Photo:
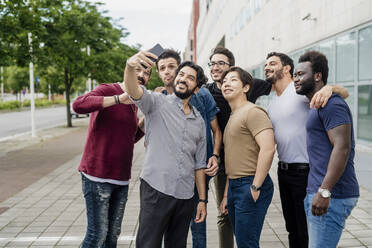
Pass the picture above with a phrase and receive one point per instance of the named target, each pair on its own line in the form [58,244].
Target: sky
[152,21]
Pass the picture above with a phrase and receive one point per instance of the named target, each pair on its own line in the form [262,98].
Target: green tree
[70,29]
[18,78]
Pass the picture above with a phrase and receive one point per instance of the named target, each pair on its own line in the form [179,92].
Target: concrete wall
[252,28]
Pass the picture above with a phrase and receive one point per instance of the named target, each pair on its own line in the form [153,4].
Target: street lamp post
[49,94]
[32,89]
[89,79]
[2,84]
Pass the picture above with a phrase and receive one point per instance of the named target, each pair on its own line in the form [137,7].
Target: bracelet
[217,156]
[205,201]
[116,99]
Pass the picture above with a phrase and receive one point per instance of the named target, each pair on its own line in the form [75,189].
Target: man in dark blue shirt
[333,189]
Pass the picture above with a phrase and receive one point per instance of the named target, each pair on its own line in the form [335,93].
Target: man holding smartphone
[175,156]
[203,101]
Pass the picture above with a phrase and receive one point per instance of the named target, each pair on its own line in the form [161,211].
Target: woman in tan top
[249,150]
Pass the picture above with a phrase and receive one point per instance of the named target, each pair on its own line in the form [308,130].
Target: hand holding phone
[156,50]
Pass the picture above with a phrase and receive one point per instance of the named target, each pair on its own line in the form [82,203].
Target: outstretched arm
[138,60]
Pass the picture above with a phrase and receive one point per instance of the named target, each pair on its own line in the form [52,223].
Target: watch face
[325,193]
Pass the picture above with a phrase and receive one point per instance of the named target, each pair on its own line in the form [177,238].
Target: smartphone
[157,50]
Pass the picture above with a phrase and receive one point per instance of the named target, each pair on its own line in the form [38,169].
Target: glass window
[365,53]
[257,72]
[257,6]
[313,48]
[345,58]
[350,99]
[248,11]
[295,57]
[328,49]
[365,112]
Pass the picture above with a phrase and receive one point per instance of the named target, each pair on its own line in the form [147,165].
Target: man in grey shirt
[175,155]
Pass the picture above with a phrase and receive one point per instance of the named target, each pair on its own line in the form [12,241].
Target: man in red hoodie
[107,160]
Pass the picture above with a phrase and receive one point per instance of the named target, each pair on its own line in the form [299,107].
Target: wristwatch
[324,193]
[217,156]
[255,188]
[205,201]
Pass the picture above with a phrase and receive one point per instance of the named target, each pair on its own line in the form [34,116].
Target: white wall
[250,39]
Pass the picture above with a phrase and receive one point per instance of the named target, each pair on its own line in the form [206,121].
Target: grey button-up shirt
[175,144]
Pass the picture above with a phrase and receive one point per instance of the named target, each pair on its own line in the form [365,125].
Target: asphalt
[41,203]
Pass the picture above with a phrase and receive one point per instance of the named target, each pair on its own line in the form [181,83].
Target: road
[14,123]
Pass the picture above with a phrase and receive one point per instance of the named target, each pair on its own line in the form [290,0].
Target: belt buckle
[284,166]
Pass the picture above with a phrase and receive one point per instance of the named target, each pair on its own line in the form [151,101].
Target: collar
[193,114]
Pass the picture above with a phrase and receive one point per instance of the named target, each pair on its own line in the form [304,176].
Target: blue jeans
[246,216]
[326,230]
[199,230]
[105,204]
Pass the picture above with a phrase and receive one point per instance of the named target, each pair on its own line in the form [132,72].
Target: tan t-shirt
[241,148]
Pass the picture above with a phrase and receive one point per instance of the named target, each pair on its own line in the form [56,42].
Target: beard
[183,95]
[306,87]
[275,77]
[141,79]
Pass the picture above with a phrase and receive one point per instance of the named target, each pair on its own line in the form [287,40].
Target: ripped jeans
[105,204]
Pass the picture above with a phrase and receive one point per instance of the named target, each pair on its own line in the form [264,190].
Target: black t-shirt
[260,88]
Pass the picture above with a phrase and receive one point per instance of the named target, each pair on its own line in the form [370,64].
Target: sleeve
[210,104]
[148,102]
[335,113]
[90,102]
[259,88]
[201,149]
[257,120]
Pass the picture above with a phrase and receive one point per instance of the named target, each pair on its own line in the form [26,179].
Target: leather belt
[293,166]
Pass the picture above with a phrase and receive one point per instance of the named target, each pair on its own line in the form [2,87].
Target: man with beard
[175,155]
[107,160]
[332,190]
[288,113]
[221,60]
[203,101]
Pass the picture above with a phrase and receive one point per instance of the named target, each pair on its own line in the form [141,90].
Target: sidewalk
[51,213]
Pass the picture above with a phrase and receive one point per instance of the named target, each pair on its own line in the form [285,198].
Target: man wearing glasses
[221,60]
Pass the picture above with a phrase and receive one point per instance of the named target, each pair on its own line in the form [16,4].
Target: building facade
[341,29]
[190,50]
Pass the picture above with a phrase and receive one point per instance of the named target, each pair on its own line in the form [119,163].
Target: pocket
[149,195]
[349,205]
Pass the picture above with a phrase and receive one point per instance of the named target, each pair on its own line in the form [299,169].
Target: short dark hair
[201,79]
[169,53]
[284,59]
[319,63]
[244,76]
[224,51]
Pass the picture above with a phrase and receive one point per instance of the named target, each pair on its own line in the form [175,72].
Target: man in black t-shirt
[221,60]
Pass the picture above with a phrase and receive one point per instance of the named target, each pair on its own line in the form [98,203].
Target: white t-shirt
[106,180]
[288,113]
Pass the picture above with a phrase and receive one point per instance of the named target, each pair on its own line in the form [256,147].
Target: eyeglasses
[218,63]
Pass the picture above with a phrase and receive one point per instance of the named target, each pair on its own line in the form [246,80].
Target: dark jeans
[225,231]
[199,230]
[105,204]
[162,215]
[247,217]
[292,187]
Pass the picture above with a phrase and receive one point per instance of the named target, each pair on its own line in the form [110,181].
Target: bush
[9,105]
